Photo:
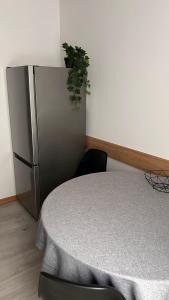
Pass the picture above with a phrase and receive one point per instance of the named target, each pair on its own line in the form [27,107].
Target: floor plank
[20,261]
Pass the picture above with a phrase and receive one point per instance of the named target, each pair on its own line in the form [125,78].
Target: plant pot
[68,63]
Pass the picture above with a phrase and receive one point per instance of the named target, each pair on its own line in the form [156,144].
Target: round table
[108,228]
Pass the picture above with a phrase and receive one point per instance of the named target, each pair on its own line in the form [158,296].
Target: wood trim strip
[134,158]
[8,200]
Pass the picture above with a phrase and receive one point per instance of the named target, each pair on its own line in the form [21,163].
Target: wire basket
[158,179]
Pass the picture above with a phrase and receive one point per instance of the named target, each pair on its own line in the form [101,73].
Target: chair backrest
[93,161]
[52,288]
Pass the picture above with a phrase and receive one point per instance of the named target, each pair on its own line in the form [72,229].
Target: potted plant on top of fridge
[77,60]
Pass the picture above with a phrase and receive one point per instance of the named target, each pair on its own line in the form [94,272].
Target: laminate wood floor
[20,261]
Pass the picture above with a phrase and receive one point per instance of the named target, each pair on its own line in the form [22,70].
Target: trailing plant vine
[78,62]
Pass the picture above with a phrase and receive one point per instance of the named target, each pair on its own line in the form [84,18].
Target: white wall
[29,34]
[115,165]
[128,42]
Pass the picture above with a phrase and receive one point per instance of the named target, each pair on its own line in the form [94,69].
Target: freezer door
[27,186]
[61,128]
[22,112]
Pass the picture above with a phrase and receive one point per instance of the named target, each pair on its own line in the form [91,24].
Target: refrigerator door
[61,128]
[27,185]
[22,112]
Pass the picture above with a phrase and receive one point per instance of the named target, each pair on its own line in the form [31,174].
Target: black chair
[93,161]
[52,288]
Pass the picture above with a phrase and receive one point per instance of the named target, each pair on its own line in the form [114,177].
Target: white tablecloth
[108,228]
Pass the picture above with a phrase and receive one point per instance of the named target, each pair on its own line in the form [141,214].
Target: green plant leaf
[77,76]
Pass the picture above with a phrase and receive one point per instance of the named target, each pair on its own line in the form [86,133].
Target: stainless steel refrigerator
[48,131]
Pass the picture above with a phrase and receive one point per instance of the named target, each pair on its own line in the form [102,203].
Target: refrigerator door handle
[33,115]
[36,199]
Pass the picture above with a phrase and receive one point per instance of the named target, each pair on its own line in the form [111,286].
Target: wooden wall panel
[134,158]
